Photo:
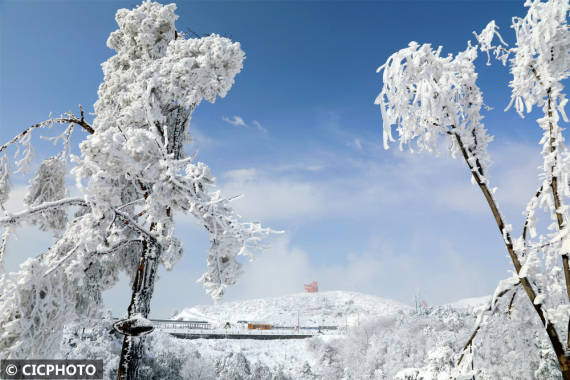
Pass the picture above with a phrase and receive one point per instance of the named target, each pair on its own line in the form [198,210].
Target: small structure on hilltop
[313,287]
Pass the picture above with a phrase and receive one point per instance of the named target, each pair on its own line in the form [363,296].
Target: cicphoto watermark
[51,369]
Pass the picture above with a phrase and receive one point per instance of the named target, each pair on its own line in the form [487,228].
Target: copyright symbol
[11,369]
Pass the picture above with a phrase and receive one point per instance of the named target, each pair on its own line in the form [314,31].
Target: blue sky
[309,159]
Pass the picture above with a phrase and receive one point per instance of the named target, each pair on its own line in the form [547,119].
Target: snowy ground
[383,339]
[295,359]
[470,303]
[336,308]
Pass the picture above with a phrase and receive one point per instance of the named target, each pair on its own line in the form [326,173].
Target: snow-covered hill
[386,323]
[283,359]
[383,338]
[312,309]
[472,303]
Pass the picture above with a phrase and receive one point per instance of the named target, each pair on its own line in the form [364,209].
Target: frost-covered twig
[130,203]
[480,319]
[23,215]
[64,259]
[48,123]
[118,246]
[3,245]
[562,224]
[530,212]
[132,224]
[19,217]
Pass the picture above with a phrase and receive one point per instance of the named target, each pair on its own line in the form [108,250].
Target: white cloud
[270,199]
[259,126]
[368,190]
[292,192]
[365,189]
[241,175]
[299,167]
[280,270]
[236,120]
[371,192]
[441,278]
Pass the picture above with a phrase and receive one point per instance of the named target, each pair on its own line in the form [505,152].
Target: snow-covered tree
[134,175]
[426,96]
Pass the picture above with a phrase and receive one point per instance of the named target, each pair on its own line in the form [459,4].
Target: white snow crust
[325,308]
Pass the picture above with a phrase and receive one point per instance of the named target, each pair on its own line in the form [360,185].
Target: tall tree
[427,96]
[134,175]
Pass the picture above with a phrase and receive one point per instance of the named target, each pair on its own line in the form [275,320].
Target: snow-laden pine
[134,176]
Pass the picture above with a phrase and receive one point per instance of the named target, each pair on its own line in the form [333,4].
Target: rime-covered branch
[70,118]
[558,206]
[132,224]
[117,247]
[530,213]
[21,216]
[503,289]
[24,215]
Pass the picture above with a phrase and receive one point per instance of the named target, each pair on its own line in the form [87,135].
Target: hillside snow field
[322,357]
[377,339]
[472,303]
[336,308]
